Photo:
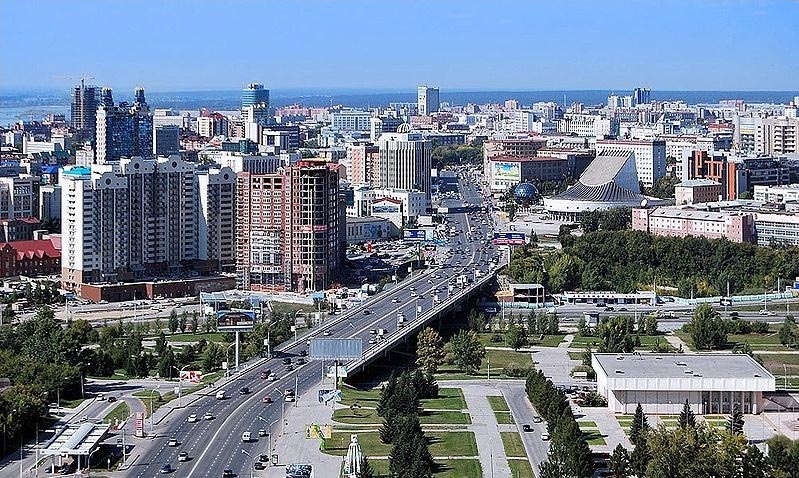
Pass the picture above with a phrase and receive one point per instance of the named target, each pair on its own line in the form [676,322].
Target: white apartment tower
[405,161]
[650,156]
[427,100]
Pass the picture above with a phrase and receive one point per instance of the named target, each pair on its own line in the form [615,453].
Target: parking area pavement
[556,364]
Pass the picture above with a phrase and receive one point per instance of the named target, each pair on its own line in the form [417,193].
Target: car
[367,312]
[264,375]
[192,418]
[246,436]
[544,436]
[112,399]
[326,333]
[167,468]
[537,419]
[244,390]
[262,432]
[272,377]
[300,361]
[266,399]
[527,428]
[263,457]
[172,442]
[258,466]
[227,473]
[289,398]
[208,416]
[288,391]
[67,470]
[101,396]
[289,367]
[395,300]
[372,340]
[303,353]
[183,456]
[608,309]
[733,314]
[373,331]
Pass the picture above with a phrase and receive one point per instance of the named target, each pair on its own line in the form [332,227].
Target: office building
[587,125]
[50,202]
[169,117]
[255,94]
[641,96]
[405,161]
[508,171]
[362,163]
[213,124]
[697,191]
[290,228]
[661,383]
[684,221]
[368,229]
[140,218]
[84,111]
[123,130]
[427,100]
[166,140]
[777,194]
[383,124]
[650,156]
[351,120]
[17,196]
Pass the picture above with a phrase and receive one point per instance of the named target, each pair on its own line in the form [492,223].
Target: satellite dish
[644,202]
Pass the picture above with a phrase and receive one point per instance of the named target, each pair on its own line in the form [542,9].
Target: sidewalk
[293,447]
[486,430]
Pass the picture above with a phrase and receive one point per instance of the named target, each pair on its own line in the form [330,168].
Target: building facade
[84,111]
[696,191]
[405,161]
[123,130]
[650,157]
[682,222]
[166,140]
[427,100]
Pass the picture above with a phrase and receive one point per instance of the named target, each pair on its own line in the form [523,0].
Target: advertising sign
[193,376]
[413,234]
[139,431]
[509,239]
[336,349]
[507,171]
[231,321]
[385,208]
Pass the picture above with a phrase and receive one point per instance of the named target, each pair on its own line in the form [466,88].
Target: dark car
[264,457]
[258,465]
[303,353]
[228,473]
[286,360]
[527,428]
[300,361]
[112,399]
[167,468]
[244,391]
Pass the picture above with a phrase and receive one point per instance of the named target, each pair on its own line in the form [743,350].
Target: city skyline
[534,46]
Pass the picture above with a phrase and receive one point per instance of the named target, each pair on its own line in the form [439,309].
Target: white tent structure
[352,462]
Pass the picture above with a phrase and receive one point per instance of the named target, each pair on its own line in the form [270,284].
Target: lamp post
[151,407]
[295,323]
[269,339]
[246,453]
[785,374]
[227,355]
[180,384]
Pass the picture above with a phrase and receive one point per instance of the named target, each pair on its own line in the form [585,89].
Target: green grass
[647,342]
[158,399]
[448,399]
[498,403]
[441,444]
[593,437]
[458,469]
[120,413]
[445,417]
[358,416]
[547,341]
[586,424]
[192,337]
[769,342]
[365,398]
[71,403]
[520,469]
[499,359]
[512,442]
[504,418]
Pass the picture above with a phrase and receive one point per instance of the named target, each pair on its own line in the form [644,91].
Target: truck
[220,395]
[400,320]
[462,280]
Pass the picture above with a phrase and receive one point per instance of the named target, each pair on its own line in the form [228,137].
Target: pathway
[490,449]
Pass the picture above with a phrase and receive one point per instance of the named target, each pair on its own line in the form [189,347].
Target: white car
[545,436]
[208,416]
[192,418]
[289,398]
[183,456]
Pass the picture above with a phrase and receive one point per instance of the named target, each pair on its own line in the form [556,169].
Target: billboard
[139,428]
[336,349]
[193,376]
[385,208]
[509,239]
[232,321]
[417,235]
[507,171]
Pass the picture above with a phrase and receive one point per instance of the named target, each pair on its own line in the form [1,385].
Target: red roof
[32,249]
[395,201]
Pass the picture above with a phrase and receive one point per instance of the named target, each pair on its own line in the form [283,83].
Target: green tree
[619,463]
[788,332]
[735,422]
[687,418]
[615,335]
[173,322]
[707,328]
[212,357]
[159,324]
[564,274]
[467,351]
[582,328]
[476,320]
[531,328]
[754,464]
[639,425]
[184,322]
[516,337]
[195,322]
[640,456]
[429,350]
[365,469]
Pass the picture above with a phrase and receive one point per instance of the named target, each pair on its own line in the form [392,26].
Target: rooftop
[76,439]
[724,366]
[692,183]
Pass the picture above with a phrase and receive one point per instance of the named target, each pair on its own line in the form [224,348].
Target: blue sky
[458,45]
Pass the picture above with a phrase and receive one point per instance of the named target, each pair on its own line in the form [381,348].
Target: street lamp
[180,383]
[251,461]
[295,323]
[227,356]
[151,407]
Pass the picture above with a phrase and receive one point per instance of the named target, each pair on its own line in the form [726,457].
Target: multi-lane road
[215,445]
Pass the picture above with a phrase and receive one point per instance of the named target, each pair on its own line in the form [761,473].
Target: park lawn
[504,418]
[448,399]
[502,358]
[769,342]
[520,469]
[158,399]
[512,442]
[339,442]
[452,443]
[593,437]
[458,468]
[578,356]
[444,417]
[547,340]
[647,342]
[498,403]
[365,398]
[195,337]
[357,416]
[120,413]
[586,424]
[774,364]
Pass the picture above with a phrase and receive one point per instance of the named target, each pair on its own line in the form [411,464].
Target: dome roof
[404,128]
[525,191]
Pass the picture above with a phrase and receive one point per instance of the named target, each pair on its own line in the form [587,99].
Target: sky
[458,45]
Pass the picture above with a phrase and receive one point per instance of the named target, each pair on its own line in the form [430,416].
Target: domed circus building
[525,193]
[611,180]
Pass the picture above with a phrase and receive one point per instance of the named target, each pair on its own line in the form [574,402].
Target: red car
[267,399]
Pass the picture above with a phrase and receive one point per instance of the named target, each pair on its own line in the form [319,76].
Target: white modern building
[650,157]
[16,196]
[396,205]
[777,194]
[585,125]
[50,201]
[405,161]
[351,120]
[712,383]
[427,100]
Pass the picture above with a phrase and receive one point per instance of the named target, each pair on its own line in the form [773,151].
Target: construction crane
[82,79]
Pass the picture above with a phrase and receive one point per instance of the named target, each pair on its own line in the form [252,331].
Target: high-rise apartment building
[144,217]
[212,124]
[361,163]
[351,120]
[650,156]
[405,161]
[427,100]
[166,140]
[641,96]
[123,130]
[254,95]
[17,196]
[290,228]
[84,111]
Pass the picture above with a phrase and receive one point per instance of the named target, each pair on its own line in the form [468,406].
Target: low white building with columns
[712,383]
